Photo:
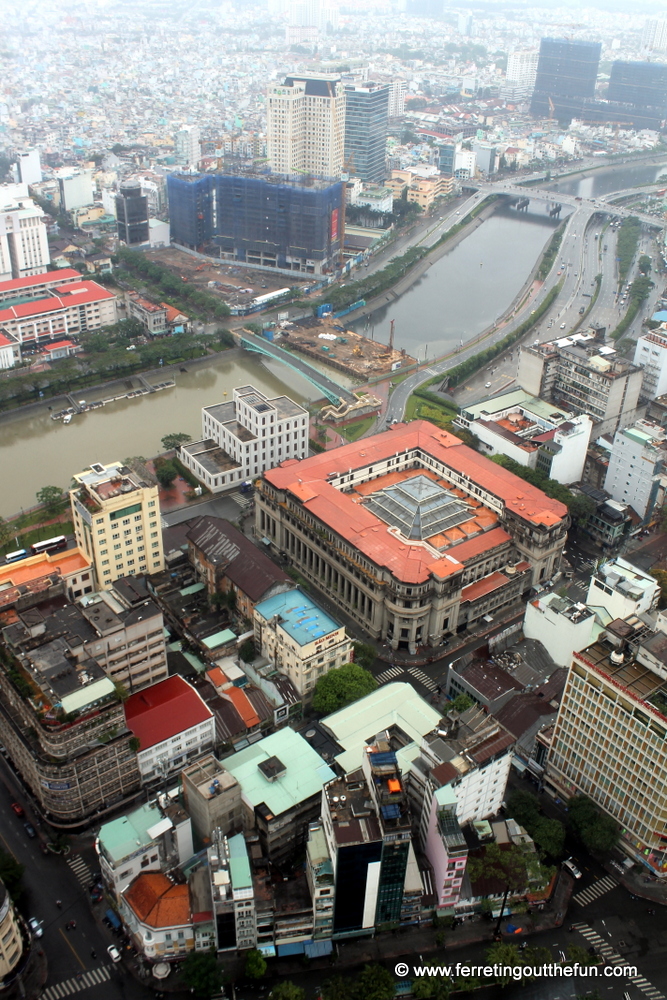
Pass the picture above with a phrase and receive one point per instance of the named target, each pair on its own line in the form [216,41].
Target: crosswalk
[388,674]
[595,890]
[81,870]
[244,500]
[84,981]
[423,678]
[605,951]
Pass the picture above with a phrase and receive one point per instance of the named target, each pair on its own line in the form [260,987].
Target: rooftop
[157,902]
[246,566]
[164,710]
[127,834]
[303,776]
[299,616]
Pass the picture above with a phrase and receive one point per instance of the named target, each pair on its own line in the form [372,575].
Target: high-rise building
[305,125]
[397,91]
[24,246]
[464,24]
[30,171]
[117,522]
[635,467]
[293,224]
[75,188]
[566,75]
[610,737]
[11,939]
[447,157]
[366,113]
[132,215]
[655,36]
[520,76]
[188,146]
[651,355]
[640,84]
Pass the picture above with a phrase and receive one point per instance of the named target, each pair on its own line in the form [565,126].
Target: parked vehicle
[113,953]
[35,926]
[570,866]
[19,810]
[30,830]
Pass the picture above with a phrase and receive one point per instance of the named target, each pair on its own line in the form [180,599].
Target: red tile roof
[483,587]
[157,902]
[240,701]
[58,345]
[5,341]
[75,294]
[164,710]
[47,277]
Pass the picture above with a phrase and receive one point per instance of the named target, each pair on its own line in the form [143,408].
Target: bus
[54,544]
[15,556]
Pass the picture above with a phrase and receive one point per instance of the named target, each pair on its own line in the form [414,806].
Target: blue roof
[660,317]
[301,618]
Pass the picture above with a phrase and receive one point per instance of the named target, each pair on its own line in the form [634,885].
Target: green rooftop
[302,775]
[239,866]
[219,639]
[396,704]
[515,397]
[128,834]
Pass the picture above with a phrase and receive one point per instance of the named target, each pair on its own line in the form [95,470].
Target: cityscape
[333,519]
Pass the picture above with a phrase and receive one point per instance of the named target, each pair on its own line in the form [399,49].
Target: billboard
[334,224]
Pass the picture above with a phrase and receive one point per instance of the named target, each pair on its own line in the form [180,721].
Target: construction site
[327,341]
[236,285]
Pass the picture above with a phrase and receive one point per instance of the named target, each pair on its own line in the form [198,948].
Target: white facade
[562,626]
[188,146]
[397,92]
[24,247]
[30,171]
[158,233]
[465,164]
[655,36]
[169,755]
[10,351]
[635,465]
[520,76]
[481,791]
[305,125]
[622,589]
[651,355]
[244,437]
[76,188]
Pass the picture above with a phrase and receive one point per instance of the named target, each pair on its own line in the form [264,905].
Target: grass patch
[354,431]
[551,252]
[27,538]
[626,245]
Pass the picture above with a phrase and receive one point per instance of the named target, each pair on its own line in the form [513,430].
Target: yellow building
[117,522]
[423,187]
[11,940]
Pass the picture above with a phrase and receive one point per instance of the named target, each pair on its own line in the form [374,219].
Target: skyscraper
[188,146]
[366,113]
[640,84]
[566,75]
[520,76]
[655,36]
[132,215]
[305,126]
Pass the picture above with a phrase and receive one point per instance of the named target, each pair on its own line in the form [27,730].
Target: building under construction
[295,224]
[326,341]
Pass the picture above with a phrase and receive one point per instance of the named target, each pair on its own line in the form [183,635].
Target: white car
[562,326]
[113,953]
[35,926]
[487,385]
[570,866]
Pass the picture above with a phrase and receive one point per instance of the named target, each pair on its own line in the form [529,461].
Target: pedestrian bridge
[335,393]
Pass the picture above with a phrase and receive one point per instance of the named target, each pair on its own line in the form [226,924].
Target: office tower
[117,522]
[655,36]
[24,246]
[30,171]
[305,126]
[635,467]
[520,76]
[366,112]
[397,91]
[313,14]
[271,220]
[132,215]
[610,737]
[464,25]
[566,76]
[188,146]
[641,84]
[447,157]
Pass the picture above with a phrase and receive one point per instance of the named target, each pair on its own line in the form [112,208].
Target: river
[460,295]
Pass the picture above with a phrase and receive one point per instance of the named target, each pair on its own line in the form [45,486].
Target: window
[126,521]
[137,517]
[153,535]
[151,503]
[103,552]
[100,531]
[118,546]
[116,535]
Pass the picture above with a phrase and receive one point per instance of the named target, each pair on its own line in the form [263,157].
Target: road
[48,878]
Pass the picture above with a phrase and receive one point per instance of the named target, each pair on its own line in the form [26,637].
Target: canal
[457,298]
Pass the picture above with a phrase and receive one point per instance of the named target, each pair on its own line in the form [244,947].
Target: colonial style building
[412,533]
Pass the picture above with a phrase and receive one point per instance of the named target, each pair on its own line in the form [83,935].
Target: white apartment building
[188,146]
[76,188]
[520,76]
[305,128]
[300,639]
[651,355]
[24,247]
[622,589]
[397,92]
[10,350]
[29,167]
[117,522]
[635,467]
[61,311]
[244,437]
[562,626]
[655,35]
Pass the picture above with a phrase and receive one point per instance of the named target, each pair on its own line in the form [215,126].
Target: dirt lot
[329,341]
[235,284]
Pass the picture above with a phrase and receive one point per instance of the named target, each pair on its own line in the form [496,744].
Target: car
[19,810]
[570,866]
[113,953]
[487,385]
[35,926]
[562,326]
[30,830]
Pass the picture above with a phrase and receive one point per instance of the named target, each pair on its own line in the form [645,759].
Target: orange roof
[483,587]
[216,677]
[157,902]
[243,706]
[66,563]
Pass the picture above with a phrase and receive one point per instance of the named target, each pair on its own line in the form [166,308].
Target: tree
[170,442]
[201,974]
[166,473]
[597,831]
[374,983]
[337,988]
[580,956]
[11,873]
[6,533]
[341,686]
[581,509]
[134,743]
[516,868]
[425,987]
[51,498]
[247,651]
[549,835]
[644,264]
[286,990]
[461,703]
[364,655]
[524,807]
[255,964]
[507,956]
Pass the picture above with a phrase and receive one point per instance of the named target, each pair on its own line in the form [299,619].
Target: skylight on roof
[419,508]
